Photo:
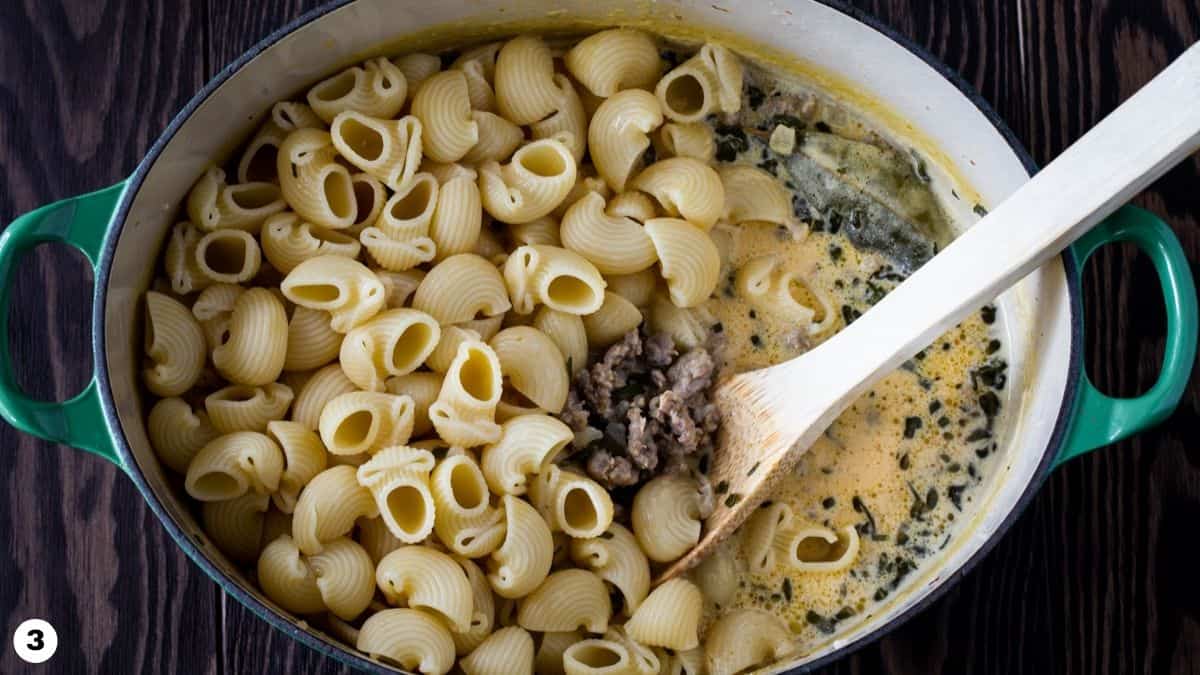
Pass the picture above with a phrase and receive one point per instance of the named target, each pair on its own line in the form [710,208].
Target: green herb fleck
[722,487]
[911,425]
[732,499]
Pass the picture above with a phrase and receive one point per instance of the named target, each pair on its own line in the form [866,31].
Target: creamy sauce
[902,464]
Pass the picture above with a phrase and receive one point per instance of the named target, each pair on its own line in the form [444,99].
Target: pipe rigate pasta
[616,317]
[465,409]
[596,657]
[396,254]
[692,139]
[568,334]
[422,578]
[214,204]
[228,257]
[240,407]
[586,180]
[288,241]
[523,561]
[668,617]
[498,139]
[236,525]
[567,600]
[257,345]
[215,301]
[443,104]
[328,507]
[417,68]
[304,456]
[555,277]
[614,244]
[465,521]
[483,614]
[387,149]
[543,232]
[325,385]
[409,638]
[257,163]
[644,660]
[377,88]
[526,446]
[287,579]
[229,466]
[688,327]
[745,639]
[398,287]
[376,538]
[532,184]
[619,134]
[637,288]
[398,478]
[666,517]
[524,80]
[394,342]
[177,432]
[717,575]
[710,81]
[508,650]
[772,287]
[365,421]
[344,576]
[689,259]
[314,184]
[617,559]
[479,88]
[311,340]
[548,660]
[571,503]
[179,260]
[685,188]
[460,288]
[345,288]
[569,122]
[458,218]
[533,366]
[369,198]
[175,345]
[423,389]
[755,196]
[615,59]
[452,336]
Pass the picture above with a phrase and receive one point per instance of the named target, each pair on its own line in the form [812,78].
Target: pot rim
[345,655]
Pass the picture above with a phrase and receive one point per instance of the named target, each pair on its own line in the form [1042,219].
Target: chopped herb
[731,140]
[954,493]
[753,314]
[954,467]
[990,403]
[978,435]
[835,253]
[822,623]
[800,209]
[866,527]
[754,96]
[776,597]
[787,588]
[732,499]
[904,462]
[788,121]
[771,166]
[931,499]
[988,314]
[718,327]
[993,347]
[918,508]
[849,314]
[722,487]
[756,340]
[834,221]
[934,407]
[943,421]
[992,374]
[828,502]
[753,469]
[823,128]
[911,426]
[979,210]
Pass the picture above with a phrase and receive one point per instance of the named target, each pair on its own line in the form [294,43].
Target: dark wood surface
[1100,575]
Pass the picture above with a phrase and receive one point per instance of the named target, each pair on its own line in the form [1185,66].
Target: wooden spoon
[771,416]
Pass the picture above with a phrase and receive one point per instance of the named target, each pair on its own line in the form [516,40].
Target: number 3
[36,642]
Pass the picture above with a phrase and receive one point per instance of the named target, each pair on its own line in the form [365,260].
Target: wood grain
[1098,576]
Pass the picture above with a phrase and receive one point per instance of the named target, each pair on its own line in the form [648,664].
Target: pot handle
[1098,419]
[81,222]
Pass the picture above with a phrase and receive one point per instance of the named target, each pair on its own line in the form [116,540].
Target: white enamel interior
[1037,310]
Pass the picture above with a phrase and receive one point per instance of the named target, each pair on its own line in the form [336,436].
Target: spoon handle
[1139,141]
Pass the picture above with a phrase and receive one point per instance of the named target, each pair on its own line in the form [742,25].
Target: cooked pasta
[174,344]
[666,517]
[453,336]
[377,88]
[524,80]
[423,389]
[311,340]
[376,538]
[498,139]
[369,197]
[568,334]
[567,600]
[458,218]
[586,181]
[597,657]
[691,139]
[668,617]
[345,577]
[398,287]
[548,660]
[688,327]
[505,652]
[615,59]
[637,288]
[257,163]
[325,385]
[231,465]
[709,82]
[533,367]
[817,549]
[287,579]
[345,288]
[619,134]
[569,122]
[532,184]
[483,614]
[685,188]
[314,184]
[614,244]
[304,456]
[745,639]
[394,342]
[571,503]
[755,196]
[177,432]
[616,317]
[417,68]
[239,407]
[465,409]
[214,204]
[717,575]
[479,87]
[773,288]
[236,525]
[216,300]
[408,638]
[179,260]
[460,288]
[689,260]
[644,660]
[523,561]
[527,445]
[555,277]
[328,506]
[443,104]
[398,478]
[365,421]
[228,257]
[256,347]
[288,241]
[617,559]
[466,522]
[422,578]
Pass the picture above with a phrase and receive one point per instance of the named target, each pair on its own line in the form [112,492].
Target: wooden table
[1098,576]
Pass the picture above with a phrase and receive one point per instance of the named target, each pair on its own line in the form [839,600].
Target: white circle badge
[35,640]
